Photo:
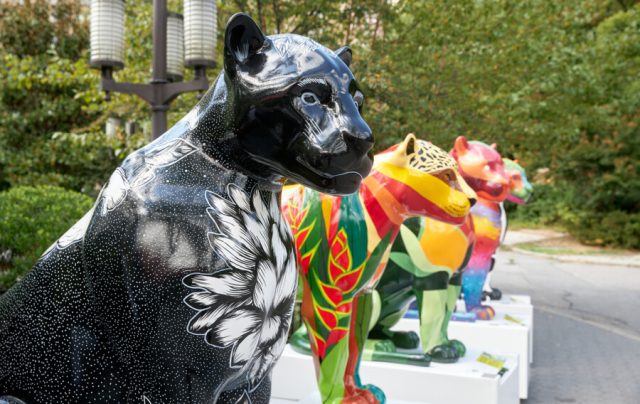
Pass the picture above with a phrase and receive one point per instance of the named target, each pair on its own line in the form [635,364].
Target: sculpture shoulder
[170,176]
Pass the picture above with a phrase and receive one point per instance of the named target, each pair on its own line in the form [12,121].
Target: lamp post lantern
[175,46]
[198,15]
[176,41]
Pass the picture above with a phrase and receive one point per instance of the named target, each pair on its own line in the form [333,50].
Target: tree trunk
[263,22]
[276,15]
[349,23]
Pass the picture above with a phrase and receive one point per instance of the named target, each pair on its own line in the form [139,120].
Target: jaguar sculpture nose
[360,138]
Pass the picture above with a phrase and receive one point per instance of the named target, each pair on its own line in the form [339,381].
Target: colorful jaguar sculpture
[428,261]
[178,286]
[483,169]
[343,246]
[520,190]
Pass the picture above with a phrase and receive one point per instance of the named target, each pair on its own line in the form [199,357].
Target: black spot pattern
[430,158]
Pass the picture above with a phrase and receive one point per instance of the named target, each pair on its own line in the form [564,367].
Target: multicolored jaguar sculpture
[428,259]
[483,169]
[520,191]
[179,285]
[343,245]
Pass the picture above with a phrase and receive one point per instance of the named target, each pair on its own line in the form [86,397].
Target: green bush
[611,228]
[550,205]
[52,112]
[567,207]
[31,219]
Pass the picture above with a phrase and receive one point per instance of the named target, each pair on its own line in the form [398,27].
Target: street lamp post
[107,50]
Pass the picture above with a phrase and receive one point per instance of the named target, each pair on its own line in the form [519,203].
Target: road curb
[577,258]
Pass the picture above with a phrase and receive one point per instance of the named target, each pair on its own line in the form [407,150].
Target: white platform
[512,304]
[500,335]
[520,299]
[314,398]
[467,381]
[515,305]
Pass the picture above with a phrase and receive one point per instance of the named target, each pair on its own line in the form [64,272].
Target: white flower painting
[163,155]
[248,305]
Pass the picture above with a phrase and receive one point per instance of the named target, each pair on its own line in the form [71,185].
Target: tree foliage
[31,219]
[555,84]
[51,111]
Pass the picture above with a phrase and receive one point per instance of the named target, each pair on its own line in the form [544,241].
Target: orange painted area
[380,270]
[444,244]
[485,228]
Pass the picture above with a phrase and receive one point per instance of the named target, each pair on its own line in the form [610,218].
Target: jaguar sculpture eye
[310,98]
[358,98]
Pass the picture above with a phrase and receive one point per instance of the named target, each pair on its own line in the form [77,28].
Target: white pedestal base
[314,398]
[467,381]
[512,304]
[515,306]
[500,335]
[518,299]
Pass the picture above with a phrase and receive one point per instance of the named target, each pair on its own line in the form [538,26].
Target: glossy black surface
[178,286]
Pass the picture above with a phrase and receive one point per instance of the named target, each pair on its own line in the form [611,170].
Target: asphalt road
[587,328]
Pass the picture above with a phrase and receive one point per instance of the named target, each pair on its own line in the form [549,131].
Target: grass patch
[568,246]
[518,224]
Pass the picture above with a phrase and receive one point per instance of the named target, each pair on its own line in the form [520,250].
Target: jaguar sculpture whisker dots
[178,286]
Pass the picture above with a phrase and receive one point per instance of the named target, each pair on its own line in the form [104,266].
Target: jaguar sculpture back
[179,284]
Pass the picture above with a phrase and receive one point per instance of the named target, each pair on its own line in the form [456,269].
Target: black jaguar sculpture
[178,286]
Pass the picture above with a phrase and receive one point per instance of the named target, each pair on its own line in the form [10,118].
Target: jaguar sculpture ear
[345,54]
[461,145]
[407,147]
[401,153]
[242,41]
